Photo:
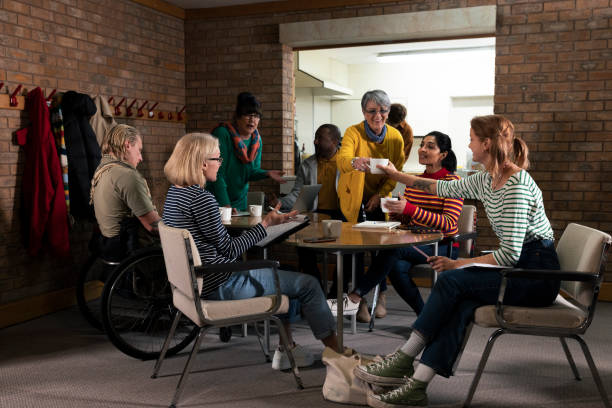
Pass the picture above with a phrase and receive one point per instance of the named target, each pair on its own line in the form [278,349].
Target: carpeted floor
[59,361]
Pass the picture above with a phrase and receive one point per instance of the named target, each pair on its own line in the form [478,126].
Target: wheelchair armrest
[549,274]
[237,266]
[464,236]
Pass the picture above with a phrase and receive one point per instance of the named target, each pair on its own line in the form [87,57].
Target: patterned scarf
[240,148]
[373,136]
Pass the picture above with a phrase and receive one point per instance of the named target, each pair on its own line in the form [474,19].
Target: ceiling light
[385,57]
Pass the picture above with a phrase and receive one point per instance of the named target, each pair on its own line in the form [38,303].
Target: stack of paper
[378,224]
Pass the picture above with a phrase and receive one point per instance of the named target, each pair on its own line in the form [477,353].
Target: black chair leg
[481,365]
[570,359]
[596,377]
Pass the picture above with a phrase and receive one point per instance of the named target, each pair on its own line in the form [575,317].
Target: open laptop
[305,200]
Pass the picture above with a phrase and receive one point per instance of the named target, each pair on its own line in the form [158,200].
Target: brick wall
[111,47]
[553,80]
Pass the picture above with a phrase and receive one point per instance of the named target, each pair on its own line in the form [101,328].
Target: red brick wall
[553,80]
[111,47]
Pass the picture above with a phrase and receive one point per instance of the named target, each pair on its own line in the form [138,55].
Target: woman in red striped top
[420,209]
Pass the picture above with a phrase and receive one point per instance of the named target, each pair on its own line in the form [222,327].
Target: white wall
[441,91]
[311,111]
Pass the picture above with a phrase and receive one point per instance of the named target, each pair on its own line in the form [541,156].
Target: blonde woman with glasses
[194,163]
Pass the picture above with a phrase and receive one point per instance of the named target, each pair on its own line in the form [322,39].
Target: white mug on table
[332,228]
[226,214]
[255,210]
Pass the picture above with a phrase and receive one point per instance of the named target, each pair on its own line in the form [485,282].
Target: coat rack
[122,109]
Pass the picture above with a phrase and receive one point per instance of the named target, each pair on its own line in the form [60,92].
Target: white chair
[185,272]
[466,234]
[582,253]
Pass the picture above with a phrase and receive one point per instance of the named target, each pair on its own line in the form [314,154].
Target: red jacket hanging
[46,219]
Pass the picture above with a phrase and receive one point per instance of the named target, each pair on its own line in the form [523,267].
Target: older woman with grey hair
[372,138]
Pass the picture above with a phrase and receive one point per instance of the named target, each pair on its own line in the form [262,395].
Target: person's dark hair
[397,114]
[445,145]
[333,129]
[247,104]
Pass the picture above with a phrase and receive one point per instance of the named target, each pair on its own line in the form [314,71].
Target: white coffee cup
[226,214]
[255,210]
[374,162]
[384,201]
[332,228]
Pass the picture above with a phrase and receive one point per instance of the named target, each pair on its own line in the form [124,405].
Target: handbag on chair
[340,384]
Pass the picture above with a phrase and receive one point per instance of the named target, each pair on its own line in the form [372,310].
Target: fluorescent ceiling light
[385,57]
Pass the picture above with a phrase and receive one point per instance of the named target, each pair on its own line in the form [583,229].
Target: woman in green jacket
[240,146]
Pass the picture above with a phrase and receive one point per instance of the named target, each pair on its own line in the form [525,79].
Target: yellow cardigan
[351,183]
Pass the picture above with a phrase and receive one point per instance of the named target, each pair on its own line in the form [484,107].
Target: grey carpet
[59,361]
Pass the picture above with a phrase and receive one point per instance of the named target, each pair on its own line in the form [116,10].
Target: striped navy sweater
[197,210]
[515,211]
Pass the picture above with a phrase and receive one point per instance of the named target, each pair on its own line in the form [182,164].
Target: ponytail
[521,151]
[450,161]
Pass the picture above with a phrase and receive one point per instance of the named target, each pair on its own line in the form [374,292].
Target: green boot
[411,394]
[390,371]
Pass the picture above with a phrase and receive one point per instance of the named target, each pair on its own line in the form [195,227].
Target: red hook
[179,115]
[128,111]
[140,112]
[51,94]
[13,98]
[110,100]
[160,115]
[1,85]
[117,108]
[151,113]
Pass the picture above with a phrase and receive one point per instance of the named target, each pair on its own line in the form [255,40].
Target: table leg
[325,283]
[435,274]
[340,314]
[353,285]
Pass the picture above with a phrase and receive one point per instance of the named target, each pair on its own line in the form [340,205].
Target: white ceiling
[195,4]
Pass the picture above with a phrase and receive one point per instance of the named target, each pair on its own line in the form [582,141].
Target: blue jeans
[397,263]
[457,293]
[304,288]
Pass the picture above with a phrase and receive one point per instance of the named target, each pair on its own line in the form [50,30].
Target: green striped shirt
[515,211]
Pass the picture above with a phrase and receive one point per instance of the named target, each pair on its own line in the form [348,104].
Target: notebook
[279,232]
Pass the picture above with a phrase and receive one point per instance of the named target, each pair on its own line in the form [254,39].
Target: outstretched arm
[419,183]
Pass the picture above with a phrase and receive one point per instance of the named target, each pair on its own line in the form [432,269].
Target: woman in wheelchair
[120,195]
[194,162]
[514,206]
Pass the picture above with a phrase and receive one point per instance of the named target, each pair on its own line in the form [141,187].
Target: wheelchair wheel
[137,308]
[90,284]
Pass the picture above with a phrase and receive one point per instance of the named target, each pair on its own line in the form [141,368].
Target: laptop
[306,199]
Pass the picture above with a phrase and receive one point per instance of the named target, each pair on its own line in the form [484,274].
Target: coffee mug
[255,210]
[226,214]
[332,228]
[384,201]
[374,162]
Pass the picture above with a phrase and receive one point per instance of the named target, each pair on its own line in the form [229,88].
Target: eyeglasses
[254,116]
[373,112]
[219,159]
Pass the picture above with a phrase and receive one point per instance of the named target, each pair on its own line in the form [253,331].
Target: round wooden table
[353,240]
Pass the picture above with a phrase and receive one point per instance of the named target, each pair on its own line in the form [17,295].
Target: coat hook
[151,113]
[179,115]
[160,115]
[140,112]
[51,94]
[118,107]
[110,100]
[169,115]
[1,85]
[128,110]
[13,98]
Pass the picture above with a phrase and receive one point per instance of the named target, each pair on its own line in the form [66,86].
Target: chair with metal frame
[465,237]
[183,266]
[582,254]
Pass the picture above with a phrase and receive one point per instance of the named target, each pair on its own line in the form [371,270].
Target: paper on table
[378,224]
[483,265]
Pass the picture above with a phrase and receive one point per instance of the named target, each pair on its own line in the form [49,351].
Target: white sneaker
[303,358]
[349,307]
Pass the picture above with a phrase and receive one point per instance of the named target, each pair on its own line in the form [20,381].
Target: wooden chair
[183,266]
